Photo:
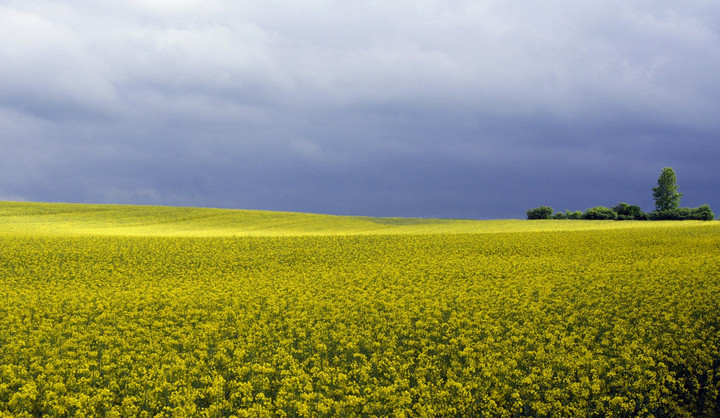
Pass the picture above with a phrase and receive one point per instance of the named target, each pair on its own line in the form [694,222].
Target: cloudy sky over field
[477,109]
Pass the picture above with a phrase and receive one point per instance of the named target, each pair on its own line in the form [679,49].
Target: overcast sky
[463,109]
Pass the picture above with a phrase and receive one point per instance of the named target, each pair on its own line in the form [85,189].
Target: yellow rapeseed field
[156,311]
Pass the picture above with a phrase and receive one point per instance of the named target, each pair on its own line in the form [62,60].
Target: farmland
[139,311]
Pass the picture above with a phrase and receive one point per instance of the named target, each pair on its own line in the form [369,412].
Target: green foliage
[666,215]
[666,196]
[683,214]
[701,213]
[600,213]
[628,212]
[542,212]
[573,215]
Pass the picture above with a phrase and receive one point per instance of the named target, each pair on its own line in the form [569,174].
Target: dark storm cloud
[449,109]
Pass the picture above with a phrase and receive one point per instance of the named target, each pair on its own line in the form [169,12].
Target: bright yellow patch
[139,311]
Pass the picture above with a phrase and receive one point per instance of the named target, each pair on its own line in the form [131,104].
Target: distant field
[138,311]
[82,219]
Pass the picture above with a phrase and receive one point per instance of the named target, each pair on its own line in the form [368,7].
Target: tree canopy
[665,194]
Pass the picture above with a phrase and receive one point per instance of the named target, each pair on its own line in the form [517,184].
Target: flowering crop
[600,322]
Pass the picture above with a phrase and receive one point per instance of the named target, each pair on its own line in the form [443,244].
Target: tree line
[667,207]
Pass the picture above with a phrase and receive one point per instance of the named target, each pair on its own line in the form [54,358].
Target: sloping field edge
[136,220]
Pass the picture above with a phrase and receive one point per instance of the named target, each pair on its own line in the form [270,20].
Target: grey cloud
[453,108]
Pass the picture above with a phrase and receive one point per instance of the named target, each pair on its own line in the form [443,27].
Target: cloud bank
[477,109]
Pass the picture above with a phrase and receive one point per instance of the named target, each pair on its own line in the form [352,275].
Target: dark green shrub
[683,214]
[543,212]
[663,215]
[600,213]
[702,213]
[573,215]
[679,214]
[627,212]
[558,215]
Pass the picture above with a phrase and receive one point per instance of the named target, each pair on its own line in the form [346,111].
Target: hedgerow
[667,200]
[625,212]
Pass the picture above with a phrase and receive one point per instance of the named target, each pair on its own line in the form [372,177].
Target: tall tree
[666,195]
